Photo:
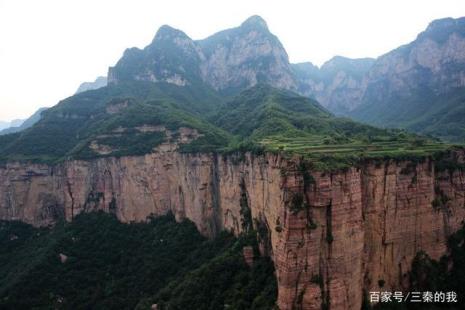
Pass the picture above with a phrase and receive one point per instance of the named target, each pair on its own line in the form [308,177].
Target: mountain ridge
[229,61]
[235,59]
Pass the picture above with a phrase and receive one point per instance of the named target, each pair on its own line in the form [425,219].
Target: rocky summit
[228,61]
[207,175]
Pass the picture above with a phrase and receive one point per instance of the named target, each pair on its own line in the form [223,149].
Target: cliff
[331,235]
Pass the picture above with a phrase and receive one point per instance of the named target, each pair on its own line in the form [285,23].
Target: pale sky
[48,47]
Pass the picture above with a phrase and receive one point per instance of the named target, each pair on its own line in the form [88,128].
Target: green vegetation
[223,283]
[280,121]
[422,111]
[110,265]
[298,203]
[133,118]
[67,130]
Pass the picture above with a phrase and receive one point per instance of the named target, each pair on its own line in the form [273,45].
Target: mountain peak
[255,21]
[445,23]
[440,29]
[167,32]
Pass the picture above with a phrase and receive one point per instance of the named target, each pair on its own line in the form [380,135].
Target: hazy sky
[48,47]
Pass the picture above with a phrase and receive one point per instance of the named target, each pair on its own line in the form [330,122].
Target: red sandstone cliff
[331,235]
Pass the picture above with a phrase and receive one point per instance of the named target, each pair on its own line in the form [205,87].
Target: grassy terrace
[326,156]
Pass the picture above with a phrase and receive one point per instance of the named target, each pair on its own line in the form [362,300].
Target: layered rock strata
[332,236]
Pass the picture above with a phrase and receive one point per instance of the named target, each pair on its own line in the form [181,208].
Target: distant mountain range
[13,123]
[19,124]
[418,86]
[101,81]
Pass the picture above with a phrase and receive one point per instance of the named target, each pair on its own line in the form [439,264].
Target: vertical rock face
[244,56]
[362,230]
[331,235]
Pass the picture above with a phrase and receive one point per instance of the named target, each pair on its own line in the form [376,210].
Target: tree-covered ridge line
[134,118]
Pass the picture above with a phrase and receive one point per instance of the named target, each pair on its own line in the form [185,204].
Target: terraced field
[339,155]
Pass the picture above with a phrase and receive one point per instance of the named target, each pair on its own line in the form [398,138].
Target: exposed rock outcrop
[331,235]
[228,61]
[338,85]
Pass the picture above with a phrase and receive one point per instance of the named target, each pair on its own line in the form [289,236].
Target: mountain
[233,90]
[421,85]
[100,82]
[215,132]
[337,85]
[20,125]
[136,118]
[118,120]
[16,122]
[418,86]
[229,61]
[244,56]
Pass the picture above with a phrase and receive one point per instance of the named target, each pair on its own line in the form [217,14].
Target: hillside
[135,118]
[97,262]
[282,121]
[125,117]
[419,86]
[337,85]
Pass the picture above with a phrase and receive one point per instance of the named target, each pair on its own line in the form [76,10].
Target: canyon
[333,236]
